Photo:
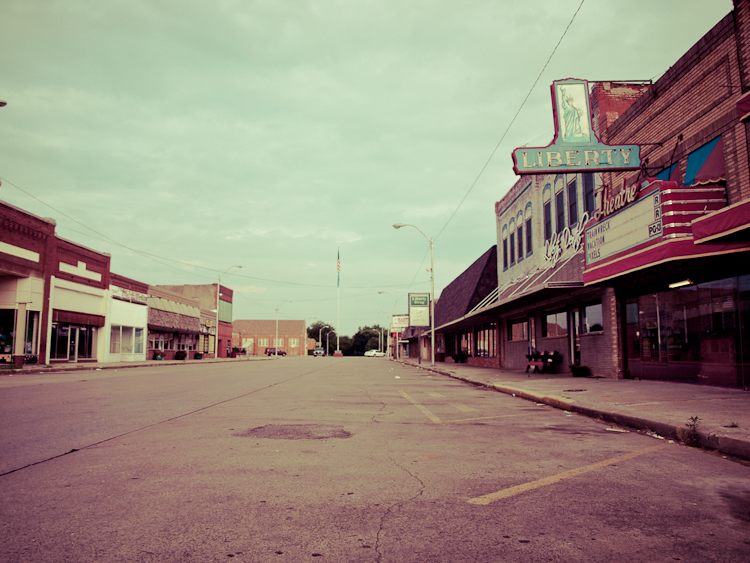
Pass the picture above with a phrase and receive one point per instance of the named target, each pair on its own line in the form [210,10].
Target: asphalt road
[342,459]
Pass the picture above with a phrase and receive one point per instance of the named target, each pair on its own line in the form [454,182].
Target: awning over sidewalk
[731,222]
[535,285]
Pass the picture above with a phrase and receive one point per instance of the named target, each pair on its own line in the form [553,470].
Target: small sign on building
[419,309]
[400,322]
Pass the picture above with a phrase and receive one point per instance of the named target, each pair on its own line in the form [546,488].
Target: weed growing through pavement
[692,426]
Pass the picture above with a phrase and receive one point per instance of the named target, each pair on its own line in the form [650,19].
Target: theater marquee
[575,147]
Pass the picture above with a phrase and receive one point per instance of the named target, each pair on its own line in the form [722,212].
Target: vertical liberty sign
[575,147]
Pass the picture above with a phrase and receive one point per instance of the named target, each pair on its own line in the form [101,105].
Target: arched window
[559,203]
[547,199]
[527,215]
[519,235]
[505,247]
[512,241]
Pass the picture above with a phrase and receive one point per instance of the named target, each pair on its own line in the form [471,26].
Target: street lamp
[218,293]
[276,343]
[395,346]
[432,287]
[387,316]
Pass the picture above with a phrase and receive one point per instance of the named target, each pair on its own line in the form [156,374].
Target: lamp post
[383,329]
[395,346]
[432,287]
[276,343]
[218,293]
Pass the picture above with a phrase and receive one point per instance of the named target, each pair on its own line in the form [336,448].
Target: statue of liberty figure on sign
[572,116]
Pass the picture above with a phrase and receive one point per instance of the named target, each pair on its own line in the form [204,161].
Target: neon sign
[575,147]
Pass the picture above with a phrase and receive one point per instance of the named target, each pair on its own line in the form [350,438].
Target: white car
[374,353]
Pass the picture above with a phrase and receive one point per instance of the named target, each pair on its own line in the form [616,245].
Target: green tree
[366,338]
[321,329]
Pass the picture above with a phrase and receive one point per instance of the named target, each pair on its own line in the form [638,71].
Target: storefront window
[7,326]
[486,335]
[518,330]
[127,340]
[465,339]
[593,320]
[450,344]
[114,340]
[72,342]
[138,341]
[85,341]
[693,333]
[31,345]
[59,345]
[556,324]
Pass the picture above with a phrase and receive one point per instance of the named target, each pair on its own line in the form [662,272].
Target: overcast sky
[185,137]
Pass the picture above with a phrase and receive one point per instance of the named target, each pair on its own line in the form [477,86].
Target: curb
[95,367]
[709,440]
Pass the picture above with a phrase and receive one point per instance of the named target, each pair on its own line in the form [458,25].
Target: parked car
[272,352]
[319,351]
[374,353]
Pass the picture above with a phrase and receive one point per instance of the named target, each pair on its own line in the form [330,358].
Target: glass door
[73,344]
[575,335]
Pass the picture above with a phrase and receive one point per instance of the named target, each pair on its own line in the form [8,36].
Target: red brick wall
[71,253]
[692,103]
[609,100]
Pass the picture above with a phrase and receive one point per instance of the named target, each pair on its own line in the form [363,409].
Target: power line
[159,259]
[511,122]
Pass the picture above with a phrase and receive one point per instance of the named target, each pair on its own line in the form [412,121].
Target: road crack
[396,506]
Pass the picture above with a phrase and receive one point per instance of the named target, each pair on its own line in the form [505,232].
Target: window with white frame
[114,339]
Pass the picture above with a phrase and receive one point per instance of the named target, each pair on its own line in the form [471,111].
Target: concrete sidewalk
[89,366]
[660,407]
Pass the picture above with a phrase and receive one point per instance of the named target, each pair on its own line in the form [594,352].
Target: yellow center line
[429,415]
[512,491]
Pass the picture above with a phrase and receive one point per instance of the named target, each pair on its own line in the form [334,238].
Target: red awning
[743,107]
[706,164]
[732,220]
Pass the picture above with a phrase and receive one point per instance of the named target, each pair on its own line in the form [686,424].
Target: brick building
[257,335]
[27,264]
[681,291]
[655,281]
[205,296]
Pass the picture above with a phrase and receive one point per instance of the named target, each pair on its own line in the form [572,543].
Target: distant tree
[366,338]
[322,329]
[345,345]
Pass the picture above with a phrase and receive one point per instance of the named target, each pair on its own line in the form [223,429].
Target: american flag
[338,268]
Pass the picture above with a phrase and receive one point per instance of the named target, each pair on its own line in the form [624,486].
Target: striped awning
[706,165]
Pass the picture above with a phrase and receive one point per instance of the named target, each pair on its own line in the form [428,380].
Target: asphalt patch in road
[295,432]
